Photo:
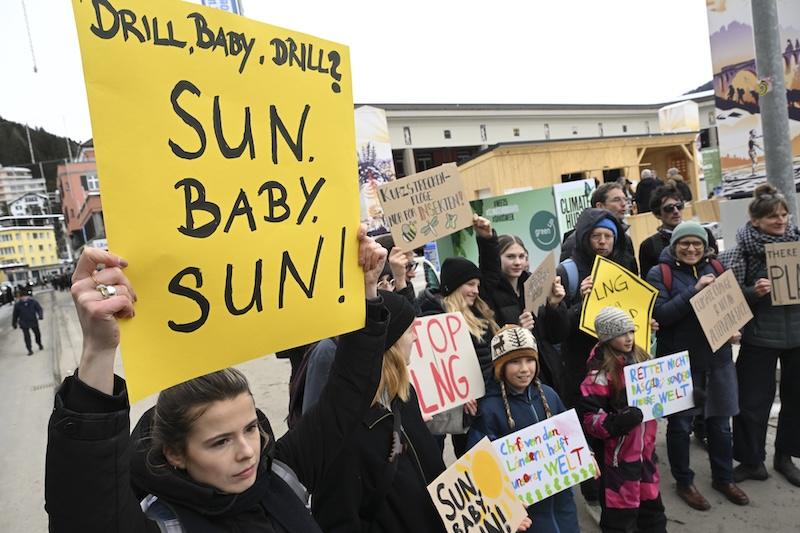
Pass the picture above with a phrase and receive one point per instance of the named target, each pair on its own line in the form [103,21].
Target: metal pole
[773,104]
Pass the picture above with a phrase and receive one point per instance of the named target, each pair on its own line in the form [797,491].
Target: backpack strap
[571,270]
[285,472]
[666,276]
[717,266]
[161,513]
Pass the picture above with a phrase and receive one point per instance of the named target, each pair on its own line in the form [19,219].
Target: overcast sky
[432,51]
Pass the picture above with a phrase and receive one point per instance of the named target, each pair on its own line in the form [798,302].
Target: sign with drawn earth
[425,206]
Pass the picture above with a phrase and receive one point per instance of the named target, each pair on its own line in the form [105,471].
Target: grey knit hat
[689,228]
[612,322]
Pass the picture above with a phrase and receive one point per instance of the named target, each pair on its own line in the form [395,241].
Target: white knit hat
[512,342]
[612,322]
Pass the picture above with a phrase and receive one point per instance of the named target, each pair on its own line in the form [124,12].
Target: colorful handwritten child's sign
[546,458]
[444,368]
[475,494]
[226,154]
[425,206]
[616,286]
[660,387]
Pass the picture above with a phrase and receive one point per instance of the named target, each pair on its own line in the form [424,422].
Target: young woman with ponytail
[517,399]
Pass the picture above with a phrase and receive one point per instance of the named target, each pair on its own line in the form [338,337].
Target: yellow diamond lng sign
[226,155]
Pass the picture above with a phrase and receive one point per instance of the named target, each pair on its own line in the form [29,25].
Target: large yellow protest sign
[226,157]
[615,286]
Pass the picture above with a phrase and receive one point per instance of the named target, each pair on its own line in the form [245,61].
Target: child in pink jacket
[629,494]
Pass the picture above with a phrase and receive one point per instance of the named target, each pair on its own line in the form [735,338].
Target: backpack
[571,271]
[666,272]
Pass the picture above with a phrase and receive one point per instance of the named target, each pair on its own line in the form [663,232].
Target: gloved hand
[621,422]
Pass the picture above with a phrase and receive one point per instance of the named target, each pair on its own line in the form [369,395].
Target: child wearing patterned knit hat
[629,492]
[516,399]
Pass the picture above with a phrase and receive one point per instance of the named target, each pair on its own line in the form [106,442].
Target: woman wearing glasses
[684,270]
[773,334]
[666,204]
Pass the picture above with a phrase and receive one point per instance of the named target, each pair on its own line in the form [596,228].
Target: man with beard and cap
[597,232]
[609,196]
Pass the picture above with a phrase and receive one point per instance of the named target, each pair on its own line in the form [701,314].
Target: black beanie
[401,315]
[456,271]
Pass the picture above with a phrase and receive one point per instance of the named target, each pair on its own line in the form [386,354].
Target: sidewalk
[774,503]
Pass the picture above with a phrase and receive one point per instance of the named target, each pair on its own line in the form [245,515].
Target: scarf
[748,258]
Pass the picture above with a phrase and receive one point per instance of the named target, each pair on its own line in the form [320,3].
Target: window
[574,130]
[42,259]
[647,126]
[20,250]
[447,134]
[30,248]
[547,131]
[90,182]
[573,176]
[600,129]
[516,132]
[624,128]
[424,161]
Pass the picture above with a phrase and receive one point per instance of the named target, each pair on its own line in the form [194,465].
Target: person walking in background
[630,498]
[773,334]
[517,399]
[644,189]
[684,271]
[27,313]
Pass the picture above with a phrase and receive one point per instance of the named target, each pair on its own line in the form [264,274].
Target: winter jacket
[320,361]
[627,462]
[508,305]
[96,472]
[556,513]
[364,492]
[651,248]
[562,323]
[430,303]
[712,372]
[25,313]
[643,192]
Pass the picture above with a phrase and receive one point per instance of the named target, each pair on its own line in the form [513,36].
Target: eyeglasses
[685,245]
[411,266]
[669,208]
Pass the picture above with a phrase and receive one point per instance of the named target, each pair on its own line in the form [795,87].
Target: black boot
[783,464]
[743,472]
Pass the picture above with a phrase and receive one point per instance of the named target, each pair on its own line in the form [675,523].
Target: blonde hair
[478,327]
[394,377]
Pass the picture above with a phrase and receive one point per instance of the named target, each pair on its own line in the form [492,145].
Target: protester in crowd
[629,492]
[26,314]
[517,399]
[644,189]
[503,263]
[460,292]
[675,179]
[362,490]
[401,268]
[611,197]
[627,189]
[773,334]
[666,204]
[203,459]
[597,232]
[685,270]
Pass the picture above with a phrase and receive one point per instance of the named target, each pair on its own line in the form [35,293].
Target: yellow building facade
[33,247]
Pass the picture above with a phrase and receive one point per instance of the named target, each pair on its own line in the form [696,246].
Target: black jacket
[508,305]
[365,493]
[643,192]
[562,322]
[651,247]
[96,472]
[25,314]
[430,303]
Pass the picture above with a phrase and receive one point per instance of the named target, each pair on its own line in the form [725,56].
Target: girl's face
[623,343]
[406,341]
[520,372]
[513,261]
[774,223]
[470,290]
[223,446]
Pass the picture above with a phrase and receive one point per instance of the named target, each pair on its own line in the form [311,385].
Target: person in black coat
[26,314]
[204,458]
[502,262]
[644,189]
[666,204]
[685,270]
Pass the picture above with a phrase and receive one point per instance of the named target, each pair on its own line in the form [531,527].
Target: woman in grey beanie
[684,270]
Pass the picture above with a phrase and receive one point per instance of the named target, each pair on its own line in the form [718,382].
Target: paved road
[26,393]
